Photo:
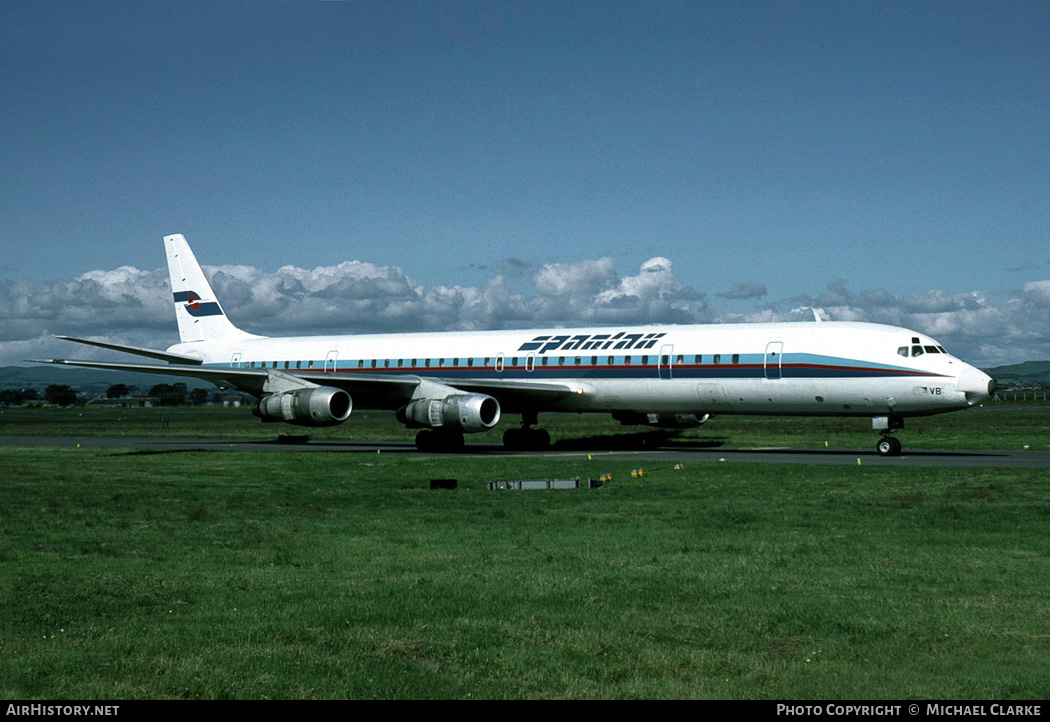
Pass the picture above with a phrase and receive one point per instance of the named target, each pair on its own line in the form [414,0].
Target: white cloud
[574,279]
[973,325]
[133,306]
[743,291]
[1037,293]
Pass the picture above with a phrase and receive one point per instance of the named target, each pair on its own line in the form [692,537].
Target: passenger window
[594,360]
[681,358]
[736,358]
[578,360]
[717,359]
[626,360]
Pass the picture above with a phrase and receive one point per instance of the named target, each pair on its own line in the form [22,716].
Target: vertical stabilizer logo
[195,307]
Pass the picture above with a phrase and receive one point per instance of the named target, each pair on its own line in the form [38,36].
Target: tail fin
[197,310]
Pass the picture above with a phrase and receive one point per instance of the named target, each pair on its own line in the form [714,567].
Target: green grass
[225,575]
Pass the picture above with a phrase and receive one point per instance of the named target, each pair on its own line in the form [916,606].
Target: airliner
[449,384]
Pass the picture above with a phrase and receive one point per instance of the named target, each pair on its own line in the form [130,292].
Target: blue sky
[883,161]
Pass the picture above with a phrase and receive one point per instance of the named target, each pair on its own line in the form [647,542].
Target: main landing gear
[888,445]
[527,438]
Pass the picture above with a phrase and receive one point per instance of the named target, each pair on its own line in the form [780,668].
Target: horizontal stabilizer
[172,358]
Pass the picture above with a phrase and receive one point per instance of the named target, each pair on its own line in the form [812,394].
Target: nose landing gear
[888,445]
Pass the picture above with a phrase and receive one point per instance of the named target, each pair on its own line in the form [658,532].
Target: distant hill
[86,381]
[1027,373]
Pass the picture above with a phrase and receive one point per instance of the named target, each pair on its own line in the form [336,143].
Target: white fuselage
[827,369]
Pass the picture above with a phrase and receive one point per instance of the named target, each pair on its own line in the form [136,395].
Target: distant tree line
[169,394]
[176,394]
[60,395]
[11,397]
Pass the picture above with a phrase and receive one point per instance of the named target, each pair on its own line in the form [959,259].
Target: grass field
[994,427]
[225,575]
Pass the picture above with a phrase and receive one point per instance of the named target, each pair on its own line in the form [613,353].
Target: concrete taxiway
[1019,459]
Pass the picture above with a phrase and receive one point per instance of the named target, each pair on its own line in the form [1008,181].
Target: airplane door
[774,356]
[664,362]
[330,361]
[712,397]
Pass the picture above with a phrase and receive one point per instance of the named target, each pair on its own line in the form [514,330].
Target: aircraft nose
[977,385]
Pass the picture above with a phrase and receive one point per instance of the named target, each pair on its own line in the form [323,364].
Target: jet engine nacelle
[321,406]
[663,421]
[463,412]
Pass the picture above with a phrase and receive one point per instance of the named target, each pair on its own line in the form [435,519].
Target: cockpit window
[917,350]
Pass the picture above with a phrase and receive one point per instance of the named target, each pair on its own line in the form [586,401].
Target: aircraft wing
[249,380]
[515,396]
[374,390]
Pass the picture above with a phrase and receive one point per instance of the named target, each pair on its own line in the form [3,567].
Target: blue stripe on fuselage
[802,366]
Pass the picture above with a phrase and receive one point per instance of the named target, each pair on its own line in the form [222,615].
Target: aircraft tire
[513,439]
[541,439]
[888,446]
[526,439]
